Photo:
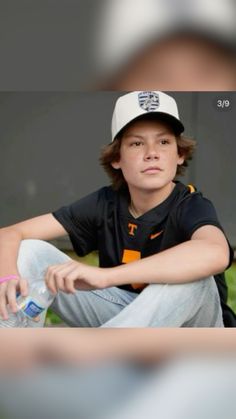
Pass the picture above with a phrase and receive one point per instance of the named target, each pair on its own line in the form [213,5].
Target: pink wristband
[8,278]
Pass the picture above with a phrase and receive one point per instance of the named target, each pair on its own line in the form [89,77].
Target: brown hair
[111,153]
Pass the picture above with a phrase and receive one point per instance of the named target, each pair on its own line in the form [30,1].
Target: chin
[153,186]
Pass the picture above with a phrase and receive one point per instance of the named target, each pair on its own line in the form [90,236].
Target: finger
[70,280]
[59,277]
[51,284]
[49,279]
[11,296]
[3,303]
[59,281]
[56,268]
[69,285]
[59,274]
[23,287]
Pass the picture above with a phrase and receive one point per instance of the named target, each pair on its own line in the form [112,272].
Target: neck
[144,201]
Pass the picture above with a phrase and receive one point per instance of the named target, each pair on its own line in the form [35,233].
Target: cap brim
[175,123]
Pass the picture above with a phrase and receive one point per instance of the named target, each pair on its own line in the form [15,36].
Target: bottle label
[31,308]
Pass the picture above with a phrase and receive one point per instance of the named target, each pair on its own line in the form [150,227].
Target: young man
[159,242]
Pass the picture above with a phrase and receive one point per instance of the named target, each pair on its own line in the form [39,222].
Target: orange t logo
[132,228]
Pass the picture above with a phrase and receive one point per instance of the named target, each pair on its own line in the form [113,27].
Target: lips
[152,169]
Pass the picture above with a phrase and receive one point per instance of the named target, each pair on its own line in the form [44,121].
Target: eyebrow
[142,136]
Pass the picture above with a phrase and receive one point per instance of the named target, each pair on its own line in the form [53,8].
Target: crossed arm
[207,253]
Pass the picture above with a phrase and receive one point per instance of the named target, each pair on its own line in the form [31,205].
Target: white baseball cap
[136,104]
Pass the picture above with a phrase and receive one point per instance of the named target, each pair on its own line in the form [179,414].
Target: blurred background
[66,45]
[45,45]
[166,44]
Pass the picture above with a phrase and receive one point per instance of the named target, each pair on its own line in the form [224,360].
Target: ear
[180,160]
[115,164]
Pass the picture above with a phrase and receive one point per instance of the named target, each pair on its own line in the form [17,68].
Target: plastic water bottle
[30,307]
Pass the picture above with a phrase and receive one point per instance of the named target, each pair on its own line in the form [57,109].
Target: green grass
[231,282]
[92,259]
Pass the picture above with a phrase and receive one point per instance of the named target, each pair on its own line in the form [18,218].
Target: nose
[151,152]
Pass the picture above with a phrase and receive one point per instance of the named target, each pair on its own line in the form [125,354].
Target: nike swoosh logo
[153,236]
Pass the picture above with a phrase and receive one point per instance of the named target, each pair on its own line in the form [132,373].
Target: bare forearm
[9,246]
[43,227]
[186,262]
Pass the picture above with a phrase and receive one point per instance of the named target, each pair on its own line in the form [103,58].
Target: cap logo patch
[149,101]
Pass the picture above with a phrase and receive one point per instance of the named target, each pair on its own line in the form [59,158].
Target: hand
[73,275]
[8,292]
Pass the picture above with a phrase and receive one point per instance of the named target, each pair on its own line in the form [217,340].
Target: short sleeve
[80,220]
[193,213]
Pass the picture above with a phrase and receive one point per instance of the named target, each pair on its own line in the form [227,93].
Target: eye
[164,141]
[136,144]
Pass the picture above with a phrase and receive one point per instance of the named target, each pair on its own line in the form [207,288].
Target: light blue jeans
[194,304]
[197,387]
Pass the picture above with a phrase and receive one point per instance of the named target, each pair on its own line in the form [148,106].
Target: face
[180,63]
[148,156]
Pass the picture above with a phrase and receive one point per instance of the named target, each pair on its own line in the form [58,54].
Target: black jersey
[101,221]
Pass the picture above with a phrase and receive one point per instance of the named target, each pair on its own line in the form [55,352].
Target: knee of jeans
[204,285]
[38,255]
[26,246]
[40,248]
[187,287]
[28,254]
[30,247]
